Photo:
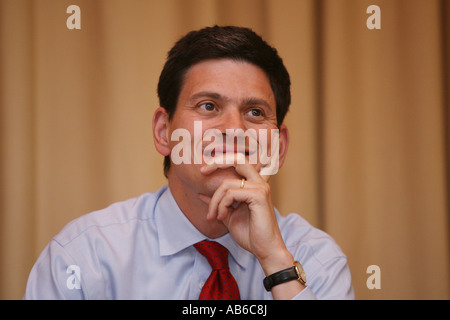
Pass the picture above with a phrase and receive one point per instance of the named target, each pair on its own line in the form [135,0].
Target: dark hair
[236,43]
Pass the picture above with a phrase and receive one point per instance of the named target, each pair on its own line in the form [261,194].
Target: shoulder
[91,252]
[322,259]
[121,214]
[301,235]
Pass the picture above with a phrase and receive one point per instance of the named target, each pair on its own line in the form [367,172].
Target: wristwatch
[293,273]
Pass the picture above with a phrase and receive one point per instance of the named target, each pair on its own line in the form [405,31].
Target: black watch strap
[280,277]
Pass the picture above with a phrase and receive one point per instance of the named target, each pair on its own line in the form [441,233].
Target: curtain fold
[368,160]
[384,155]
[17,145]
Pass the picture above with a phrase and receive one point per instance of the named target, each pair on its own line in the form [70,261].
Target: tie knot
[216,254]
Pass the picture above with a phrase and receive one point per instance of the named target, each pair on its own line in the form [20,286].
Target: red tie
[221,284]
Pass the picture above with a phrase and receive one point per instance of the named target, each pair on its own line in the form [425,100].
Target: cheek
[268,136]
[179,133]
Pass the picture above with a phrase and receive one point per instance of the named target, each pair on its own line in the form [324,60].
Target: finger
[225,206]
[265,177]
[227,185]
[222,162]
[248,171]
[245,169]
[218,195]
[210,168]
[268,170]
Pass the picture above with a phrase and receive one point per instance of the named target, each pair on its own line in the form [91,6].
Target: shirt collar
[176,232]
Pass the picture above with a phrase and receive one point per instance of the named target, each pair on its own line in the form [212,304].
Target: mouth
[229,150]
[224,151]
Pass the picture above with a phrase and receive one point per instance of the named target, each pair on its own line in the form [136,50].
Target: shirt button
[201,284]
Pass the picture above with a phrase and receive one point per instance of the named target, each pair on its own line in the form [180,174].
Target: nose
[232,119]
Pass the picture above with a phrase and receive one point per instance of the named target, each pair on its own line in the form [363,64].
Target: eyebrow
[208,94]
[217,96]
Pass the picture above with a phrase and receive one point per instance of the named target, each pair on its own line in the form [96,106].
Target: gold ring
[242,183]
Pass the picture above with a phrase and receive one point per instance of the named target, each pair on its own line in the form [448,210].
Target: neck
[195,209]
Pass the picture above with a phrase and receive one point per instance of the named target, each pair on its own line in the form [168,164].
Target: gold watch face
[300,272]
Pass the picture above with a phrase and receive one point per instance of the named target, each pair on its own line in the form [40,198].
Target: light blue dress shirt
[142,248]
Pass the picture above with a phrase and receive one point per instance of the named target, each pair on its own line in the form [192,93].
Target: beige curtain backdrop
[369,123]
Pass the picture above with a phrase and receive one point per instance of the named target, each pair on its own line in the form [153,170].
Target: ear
[284,143]
[161,131]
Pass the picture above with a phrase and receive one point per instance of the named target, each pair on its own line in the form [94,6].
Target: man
[213,232]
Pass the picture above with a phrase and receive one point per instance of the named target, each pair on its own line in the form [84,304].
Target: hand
[249,215]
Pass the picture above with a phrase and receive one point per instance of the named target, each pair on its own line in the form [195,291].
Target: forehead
[229,78]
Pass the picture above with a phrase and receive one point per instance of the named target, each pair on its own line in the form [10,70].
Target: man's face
[219,97]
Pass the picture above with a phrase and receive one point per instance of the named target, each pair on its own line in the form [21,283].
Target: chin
[222,174]
[215,179]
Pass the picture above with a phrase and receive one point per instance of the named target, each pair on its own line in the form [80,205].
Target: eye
[207,106]
[256,113]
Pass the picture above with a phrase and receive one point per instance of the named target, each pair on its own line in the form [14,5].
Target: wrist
[278,261]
